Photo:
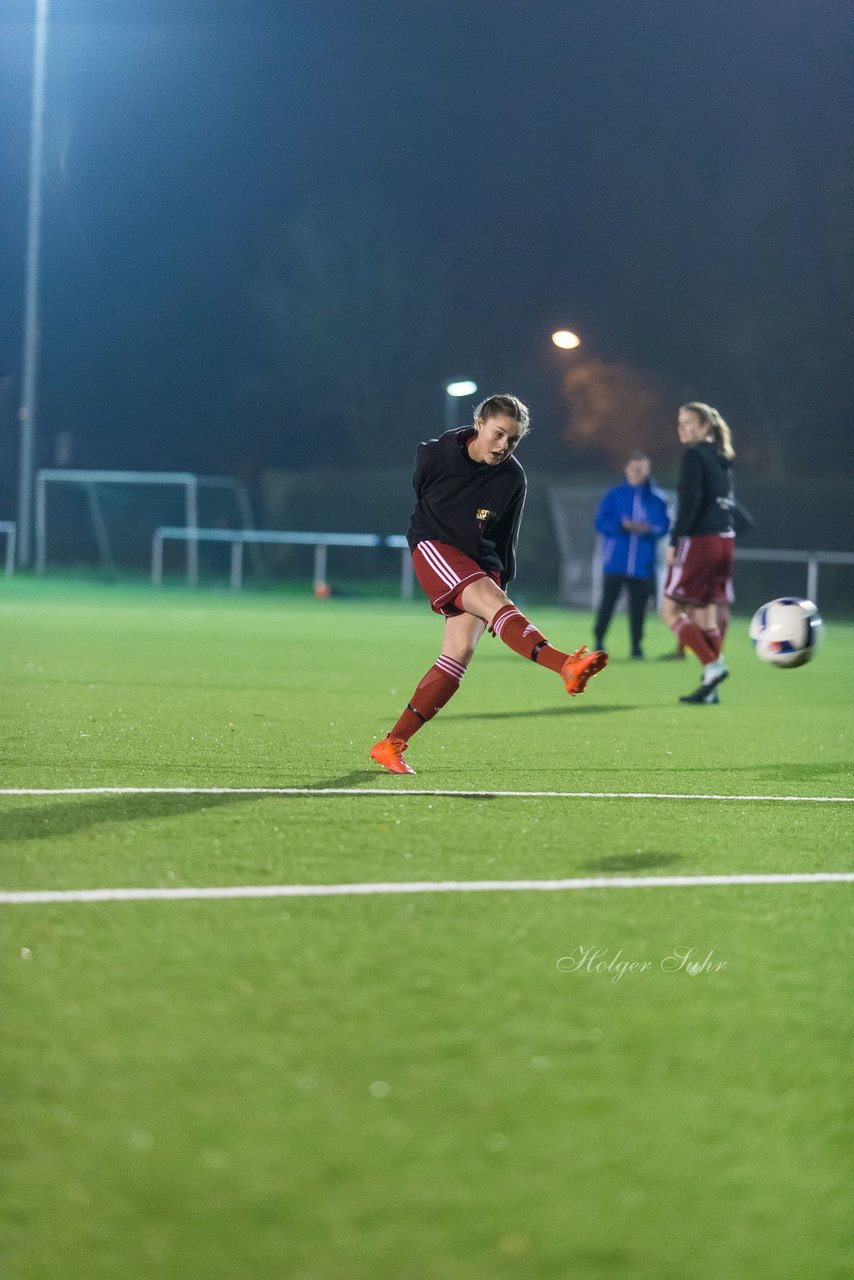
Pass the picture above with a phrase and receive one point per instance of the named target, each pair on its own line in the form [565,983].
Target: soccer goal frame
[573,511]
[9,529]
[89,482]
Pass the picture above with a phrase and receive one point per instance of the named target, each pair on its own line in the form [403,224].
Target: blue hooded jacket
[631,554]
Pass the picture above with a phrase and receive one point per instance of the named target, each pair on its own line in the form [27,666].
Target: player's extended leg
[485,599]
[436,688]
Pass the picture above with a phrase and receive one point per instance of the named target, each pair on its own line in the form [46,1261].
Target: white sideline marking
[407,791]
[416,886]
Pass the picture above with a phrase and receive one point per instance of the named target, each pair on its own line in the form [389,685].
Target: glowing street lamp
[566,339]
[453,392]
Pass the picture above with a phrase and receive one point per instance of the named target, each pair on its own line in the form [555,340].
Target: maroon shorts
[702,570]
[443,572]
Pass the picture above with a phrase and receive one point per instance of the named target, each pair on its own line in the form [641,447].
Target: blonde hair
[718,429]
[509,406]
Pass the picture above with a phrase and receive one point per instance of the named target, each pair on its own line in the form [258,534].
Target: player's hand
[670,554]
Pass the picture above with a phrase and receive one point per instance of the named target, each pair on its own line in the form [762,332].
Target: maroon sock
[689,634]
[713,639]
[437,687]
[520,635]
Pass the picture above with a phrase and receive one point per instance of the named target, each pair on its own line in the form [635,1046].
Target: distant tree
[615,408]
[788,330]
[779,302]
[349,312]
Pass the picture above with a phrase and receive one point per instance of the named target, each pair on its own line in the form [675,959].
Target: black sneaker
[714,673]
[703,697]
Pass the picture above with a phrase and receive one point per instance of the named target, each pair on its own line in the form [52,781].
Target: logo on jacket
[483,513]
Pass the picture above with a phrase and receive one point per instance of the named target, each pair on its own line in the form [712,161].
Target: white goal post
[573,511]
[10,529]
[90,480]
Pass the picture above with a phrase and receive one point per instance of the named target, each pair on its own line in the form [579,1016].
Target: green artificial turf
[414,1085]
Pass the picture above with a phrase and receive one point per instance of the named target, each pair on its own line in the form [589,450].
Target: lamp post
[27,410]
[453,392]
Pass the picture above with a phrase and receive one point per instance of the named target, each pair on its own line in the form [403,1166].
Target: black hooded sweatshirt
[705,499]
[470,505]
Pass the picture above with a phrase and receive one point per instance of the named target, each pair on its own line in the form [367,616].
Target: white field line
[417,886]
[407,791]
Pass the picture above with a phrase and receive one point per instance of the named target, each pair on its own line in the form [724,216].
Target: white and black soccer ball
[786,632]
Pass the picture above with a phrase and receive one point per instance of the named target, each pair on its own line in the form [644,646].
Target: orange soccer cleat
[580,666]
[389,753]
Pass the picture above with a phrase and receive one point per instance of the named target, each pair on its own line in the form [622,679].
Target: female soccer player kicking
[470,493]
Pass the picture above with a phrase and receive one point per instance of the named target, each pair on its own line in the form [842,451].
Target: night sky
[271,231]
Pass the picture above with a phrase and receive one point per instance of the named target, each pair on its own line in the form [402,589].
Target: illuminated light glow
[465,387]
[566,339]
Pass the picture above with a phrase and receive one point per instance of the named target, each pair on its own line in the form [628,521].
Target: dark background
[272,231]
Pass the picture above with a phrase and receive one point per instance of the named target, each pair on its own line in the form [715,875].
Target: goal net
[573,512]
[109,517]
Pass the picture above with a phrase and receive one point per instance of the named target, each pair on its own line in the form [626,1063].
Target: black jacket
[470,505]
[705,499]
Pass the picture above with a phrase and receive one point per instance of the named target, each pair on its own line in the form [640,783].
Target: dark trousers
[639,590]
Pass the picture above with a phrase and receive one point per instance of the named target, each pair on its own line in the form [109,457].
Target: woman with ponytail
[702,543]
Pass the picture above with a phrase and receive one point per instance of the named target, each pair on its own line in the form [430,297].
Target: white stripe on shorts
[438,564]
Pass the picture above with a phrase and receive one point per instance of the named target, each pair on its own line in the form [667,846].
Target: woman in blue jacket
[631,518]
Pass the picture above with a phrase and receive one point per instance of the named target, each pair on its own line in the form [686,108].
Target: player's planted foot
[580,666]
[389,753]
[714,673]
[704,696]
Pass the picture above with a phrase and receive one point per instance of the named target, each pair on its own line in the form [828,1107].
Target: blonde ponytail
[718,430]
